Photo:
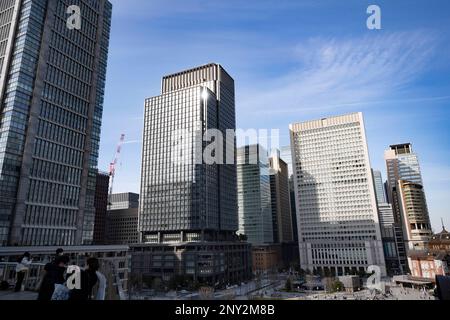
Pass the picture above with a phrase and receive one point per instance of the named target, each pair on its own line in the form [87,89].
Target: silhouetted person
[59,252]
[88,280]
[22,269]
[54,274]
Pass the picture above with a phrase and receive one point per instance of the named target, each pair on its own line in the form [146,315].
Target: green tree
[338,286]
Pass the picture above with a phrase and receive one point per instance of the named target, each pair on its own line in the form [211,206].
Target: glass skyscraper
[254,199]
[401,164]
[379,186]
[186,199]
[52,83]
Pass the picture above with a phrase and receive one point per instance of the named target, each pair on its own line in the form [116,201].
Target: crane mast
[112,166]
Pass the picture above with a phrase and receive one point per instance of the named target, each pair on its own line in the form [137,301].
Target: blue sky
[292,61]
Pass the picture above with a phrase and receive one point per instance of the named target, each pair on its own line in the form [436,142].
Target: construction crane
[112,166]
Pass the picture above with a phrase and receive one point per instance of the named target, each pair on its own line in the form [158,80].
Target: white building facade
[338,226]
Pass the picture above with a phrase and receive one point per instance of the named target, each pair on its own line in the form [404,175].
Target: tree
[338,286]
[362,274]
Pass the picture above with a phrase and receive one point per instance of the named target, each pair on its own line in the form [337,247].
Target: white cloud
[331,73]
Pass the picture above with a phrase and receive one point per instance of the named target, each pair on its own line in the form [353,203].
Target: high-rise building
[401,164]
[293,208]
[279,194]
[386,214]
[101,207]
[282,217]
[338,224]
[379,187]
[122,219]
[182,199]
[253,193]
[392,237]
[391,232]
[286,156]
[188,208]
[414,213]
[52,81]
[126,200]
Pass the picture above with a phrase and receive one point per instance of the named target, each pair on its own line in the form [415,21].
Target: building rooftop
[444,235]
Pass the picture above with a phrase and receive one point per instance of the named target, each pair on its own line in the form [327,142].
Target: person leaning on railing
[21,270]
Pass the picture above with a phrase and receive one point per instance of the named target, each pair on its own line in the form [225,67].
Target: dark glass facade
[51,90]
[101,207]
[188,200]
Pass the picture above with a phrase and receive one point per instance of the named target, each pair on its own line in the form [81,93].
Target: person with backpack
[22,268]
[54,275]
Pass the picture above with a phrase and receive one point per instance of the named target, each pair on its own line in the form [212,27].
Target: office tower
[338,223]
[186,204]
[379,187]
[184,199]
[414,214]
[286,156]
[401,164]
[126,200]
[253,193]
[122,219]
[283,227]
[279,194]
[293,208]
[52,83]
[392,237]
[101,207]
[391,234]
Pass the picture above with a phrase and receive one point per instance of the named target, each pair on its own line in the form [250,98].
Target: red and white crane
[112,166]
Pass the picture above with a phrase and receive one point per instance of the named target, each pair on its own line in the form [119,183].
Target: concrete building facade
[338,223]
[414,214]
